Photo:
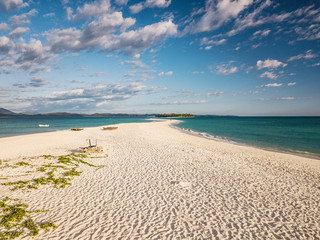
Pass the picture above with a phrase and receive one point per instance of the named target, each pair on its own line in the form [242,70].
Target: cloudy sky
[241,57]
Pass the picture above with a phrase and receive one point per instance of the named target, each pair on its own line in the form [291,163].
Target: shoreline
[192,133]
[225,140]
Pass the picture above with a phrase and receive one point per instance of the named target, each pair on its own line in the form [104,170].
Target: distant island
[5,113]
[185,115]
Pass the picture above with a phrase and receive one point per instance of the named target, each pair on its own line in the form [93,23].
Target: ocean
[18,126]
[290,134]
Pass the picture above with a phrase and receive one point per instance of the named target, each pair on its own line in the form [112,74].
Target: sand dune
[160,183]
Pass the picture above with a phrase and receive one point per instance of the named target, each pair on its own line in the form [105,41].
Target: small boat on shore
[44,125]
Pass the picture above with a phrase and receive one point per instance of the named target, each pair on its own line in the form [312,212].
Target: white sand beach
[161,183]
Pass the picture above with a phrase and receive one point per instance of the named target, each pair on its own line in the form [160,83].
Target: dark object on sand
[76,129]
[92,148]
[110,128]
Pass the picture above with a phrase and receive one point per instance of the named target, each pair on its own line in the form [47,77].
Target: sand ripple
[159,183]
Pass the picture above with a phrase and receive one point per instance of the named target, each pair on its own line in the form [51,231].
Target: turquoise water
[293,134]
[12,127]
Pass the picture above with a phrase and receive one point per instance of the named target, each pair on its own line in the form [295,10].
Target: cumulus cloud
[307,55]
[225,69]
[270,75]
[92,9]
[22,19]
[292,84]
[136,8]
[99,35]
[5,44]
[4,27]
[272,85]
[12,5]
[270,63]
[24,56]
[165,74]
[18,32]
[92,96]
[31,54]
[217,13]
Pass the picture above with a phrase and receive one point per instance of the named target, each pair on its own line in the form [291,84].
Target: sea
[299,135]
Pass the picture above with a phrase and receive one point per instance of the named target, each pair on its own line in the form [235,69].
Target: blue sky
[240,57]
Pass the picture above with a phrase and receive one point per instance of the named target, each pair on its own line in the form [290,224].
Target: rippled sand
[160,183]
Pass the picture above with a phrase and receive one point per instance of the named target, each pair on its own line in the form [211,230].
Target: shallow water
[293,134]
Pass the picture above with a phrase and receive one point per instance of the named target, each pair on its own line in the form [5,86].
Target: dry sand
[160,183]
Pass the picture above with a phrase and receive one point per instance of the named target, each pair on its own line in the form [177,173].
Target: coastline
[220,139]
[159,182]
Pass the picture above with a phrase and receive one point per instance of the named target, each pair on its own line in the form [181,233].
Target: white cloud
[18,20]
[225,69]
[206,41]
[5,44]
[316,64]
[49,15]
[165,74]
[134,63]
[136,8]
[129,42]
[270,75]
[18,32]
[270,63]
[12,5]
[91,96]
[207,47]
[4,27]
[272,85]
[250,19]
[307,55]
[262,33]
[218,13]
[292,84]
[286,98]
[216,93]
[92,9]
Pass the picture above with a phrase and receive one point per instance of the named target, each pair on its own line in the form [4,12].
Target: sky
[224,57]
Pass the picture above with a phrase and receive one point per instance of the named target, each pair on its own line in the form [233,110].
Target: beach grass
[15,219]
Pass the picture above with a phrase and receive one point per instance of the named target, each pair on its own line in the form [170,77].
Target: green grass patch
[22,164]
[16,221]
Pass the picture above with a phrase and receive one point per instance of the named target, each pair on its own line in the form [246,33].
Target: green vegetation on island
[184,115]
